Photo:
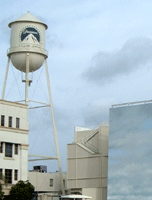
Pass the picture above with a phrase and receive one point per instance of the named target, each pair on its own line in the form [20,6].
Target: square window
[8,175]
[10,121]
[51,182]
[8,150]
[16,149]
[2,120]
[1,147]
[15,174]
[17,122]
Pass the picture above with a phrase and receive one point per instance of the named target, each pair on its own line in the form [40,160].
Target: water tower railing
[27,48]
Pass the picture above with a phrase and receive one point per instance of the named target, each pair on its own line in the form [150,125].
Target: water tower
[27,54]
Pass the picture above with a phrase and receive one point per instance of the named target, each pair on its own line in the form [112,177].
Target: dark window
[8,175]
[16,149]
[10,121]
[15,174]
[2,120]
[51,182]
[17,122]
[1,147]
[1,171]
[8,150]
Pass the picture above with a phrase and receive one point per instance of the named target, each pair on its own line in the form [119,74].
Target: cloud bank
[106,67]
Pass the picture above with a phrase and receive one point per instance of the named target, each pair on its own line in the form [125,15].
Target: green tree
[3,181]
[1,192]
[23,190]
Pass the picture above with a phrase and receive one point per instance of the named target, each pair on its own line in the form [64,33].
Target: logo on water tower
[30,35]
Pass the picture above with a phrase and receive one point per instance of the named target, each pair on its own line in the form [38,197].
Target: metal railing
[88,145]
[132,103]
[91,147]
[28,48]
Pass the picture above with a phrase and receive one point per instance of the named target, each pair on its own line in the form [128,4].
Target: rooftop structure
[87,163]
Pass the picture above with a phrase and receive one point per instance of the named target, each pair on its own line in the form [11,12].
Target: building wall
[15,136]
[46,182]
[87,161]
[95,193]
[130,151]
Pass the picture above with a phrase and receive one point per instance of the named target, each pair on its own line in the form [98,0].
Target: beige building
[87,162]
[13,141]
[87,158]
[47,185]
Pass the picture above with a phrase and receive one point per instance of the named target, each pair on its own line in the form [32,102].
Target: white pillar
[6,74]
[27,79]
[54,129]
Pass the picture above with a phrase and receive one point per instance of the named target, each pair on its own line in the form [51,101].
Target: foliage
[2,177]
[1,192]
[3,181]
[22,191]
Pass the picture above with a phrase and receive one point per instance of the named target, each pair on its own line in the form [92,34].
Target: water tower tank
[27,36]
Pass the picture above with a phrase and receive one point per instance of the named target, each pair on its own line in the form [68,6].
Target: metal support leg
[54,130]
[6,74]
[27,79]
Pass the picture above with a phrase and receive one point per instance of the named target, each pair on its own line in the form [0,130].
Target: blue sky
[100,54]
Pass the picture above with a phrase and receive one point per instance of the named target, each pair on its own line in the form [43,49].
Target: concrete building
[47,185]
[13,141]
[87,162]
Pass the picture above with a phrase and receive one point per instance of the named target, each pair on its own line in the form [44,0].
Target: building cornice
[14,130]
[11,103]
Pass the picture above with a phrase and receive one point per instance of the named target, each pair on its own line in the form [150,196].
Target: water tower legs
[6,74]
[27,79]
[51,106]
[54,129]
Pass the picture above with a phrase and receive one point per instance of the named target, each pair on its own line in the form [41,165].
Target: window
[16,149]
[64,183]
[8,150]
[1,147]
[15,174]
[2,120]
[51,182]
[17,122]
[1,171]
[10,121]
[8,175]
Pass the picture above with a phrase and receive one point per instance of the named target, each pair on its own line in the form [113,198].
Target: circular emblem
[30,35]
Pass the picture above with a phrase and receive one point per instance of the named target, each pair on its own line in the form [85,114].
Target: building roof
[75,196]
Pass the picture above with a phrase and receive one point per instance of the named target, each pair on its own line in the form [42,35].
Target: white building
[87,157]
[14,141]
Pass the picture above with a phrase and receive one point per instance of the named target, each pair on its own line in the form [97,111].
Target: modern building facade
[87,162]
[130,136]
[13,141]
